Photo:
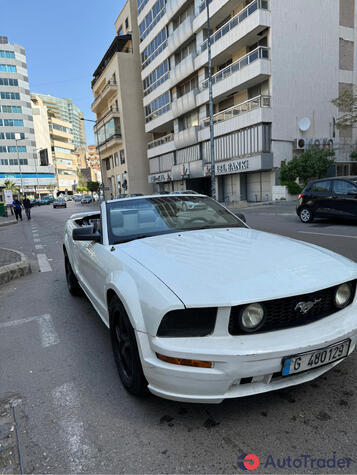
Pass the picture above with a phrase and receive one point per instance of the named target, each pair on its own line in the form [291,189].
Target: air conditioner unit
[300,144]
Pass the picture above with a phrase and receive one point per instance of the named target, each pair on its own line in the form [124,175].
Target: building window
[187,87]
[126,23]
[189,120]
[107,163]
[157,45]
[116,159]
[141,5]
[8,68]
[122,157]
[182,17]
[23,161]
[12,109]
[2,149]
[62,150]
[11,123]
[44,157]
[156,78]
[184,52]
[7,54]
[8,82]
[152,19]
[10,136]
[158,107]
[13,149]
[4,161]
[10,95]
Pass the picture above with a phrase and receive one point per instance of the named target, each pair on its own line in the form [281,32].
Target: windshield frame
[113,239]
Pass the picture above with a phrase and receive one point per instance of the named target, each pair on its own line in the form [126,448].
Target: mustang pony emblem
[304,307]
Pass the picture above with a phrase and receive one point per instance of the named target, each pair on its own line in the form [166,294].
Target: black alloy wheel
[125,349]
[72,281]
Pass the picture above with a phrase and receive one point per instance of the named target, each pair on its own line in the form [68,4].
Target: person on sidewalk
[17,208]
[27,205]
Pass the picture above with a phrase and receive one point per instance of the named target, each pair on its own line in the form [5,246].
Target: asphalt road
[74,416]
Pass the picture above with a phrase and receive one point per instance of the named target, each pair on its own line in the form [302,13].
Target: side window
[321,187]
[343,187]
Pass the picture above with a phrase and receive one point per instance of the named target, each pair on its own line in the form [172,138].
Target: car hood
[221,267]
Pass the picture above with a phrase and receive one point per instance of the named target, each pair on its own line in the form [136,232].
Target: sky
[64,42]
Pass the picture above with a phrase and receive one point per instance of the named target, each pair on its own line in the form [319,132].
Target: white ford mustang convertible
[200,307]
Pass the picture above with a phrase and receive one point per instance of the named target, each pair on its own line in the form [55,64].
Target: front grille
[282,313]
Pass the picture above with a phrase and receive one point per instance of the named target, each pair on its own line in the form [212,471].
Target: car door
[344,199]
[320,197]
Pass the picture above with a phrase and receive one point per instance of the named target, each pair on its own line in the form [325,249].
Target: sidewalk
[7,221]
[13,264]
[10,459]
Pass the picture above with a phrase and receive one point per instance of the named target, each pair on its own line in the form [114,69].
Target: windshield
[136,219]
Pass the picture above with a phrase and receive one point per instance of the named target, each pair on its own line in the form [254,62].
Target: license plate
[316,358]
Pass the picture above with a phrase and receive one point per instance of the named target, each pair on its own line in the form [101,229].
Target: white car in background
[202,308]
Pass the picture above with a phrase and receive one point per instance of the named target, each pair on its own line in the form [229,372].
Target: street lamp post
[100,158]
[211,123]
[38,184]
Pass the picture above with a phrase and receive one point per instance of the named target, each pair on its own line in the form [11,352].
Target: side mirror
[85,233]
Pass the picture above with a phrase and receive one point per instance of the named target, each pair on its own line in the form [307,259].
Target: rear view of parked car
[87,199]
[328,198]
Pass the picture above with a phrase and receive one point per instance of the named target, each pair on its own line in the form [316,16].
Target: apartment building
[64,159]
[64,109]
[18,155]
[118,105]
[277,64]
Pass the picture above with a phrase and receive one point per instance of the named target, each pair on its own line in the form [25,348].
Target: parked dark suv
[328,198]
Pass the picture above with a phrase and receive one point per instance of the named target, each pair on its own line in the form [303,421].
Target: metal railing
[262,52]
[115,136]
[161,141]
[251,104]
[102,119]
[102,92]
[236,20]
[159,112]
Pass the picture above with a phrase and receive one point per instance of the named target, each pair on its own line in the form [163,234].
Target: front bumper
[243,365]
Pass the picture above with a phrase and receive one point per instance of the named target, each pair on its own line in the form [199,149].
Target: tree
[313,163]
[93,187]
[10,185]
[347,105]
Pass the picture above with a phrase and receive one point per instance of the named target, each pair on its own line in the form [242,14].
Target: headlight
[252,317]
[191,322]
[343,295]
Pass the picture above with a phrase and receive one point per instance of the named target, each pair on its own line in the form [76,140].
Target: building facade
[18,155]
[118,105]
[277,65]
[64,109]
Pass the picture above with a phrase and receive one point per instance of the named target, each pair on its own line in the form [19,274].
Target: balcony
[161,146]
[173,6]
[185,103]
[243,28]
[186,137]
[108,91]
[115,139]
[182,33]
[246,114]
[160,119]
[183,69]
[248,71]
[112,112]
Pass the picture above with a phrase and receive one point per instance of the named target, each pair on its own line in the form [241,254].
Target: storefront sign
[162,178]
[8,197]
[235,166]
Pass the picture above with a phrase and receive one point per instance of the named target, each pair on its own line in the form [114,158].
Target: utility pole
[17,139]
[211,123]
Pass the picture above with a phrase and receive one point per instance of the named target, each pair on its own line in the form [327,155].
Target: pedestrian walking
[17,208]
[27,205]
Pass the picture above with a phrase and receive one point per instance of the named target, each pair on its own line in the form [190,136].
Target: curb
[8,223]
[16,270]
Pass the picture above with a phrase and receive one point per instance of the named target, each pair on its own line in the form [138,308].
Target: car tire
[125,350]
[72,282]
[305,215]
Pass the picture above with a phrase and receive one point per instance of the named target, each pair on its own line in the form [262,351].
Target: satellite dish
[304,124]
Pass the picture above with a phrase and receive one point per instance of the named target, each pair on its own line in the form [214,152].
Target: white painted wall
[305,68]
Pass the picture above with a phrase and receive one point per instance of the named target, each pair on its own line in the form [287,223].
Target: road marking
[326,234]
[67,405]
[49,336]
[45,266]
[48,333]
[37,240]
[38,246]
[36,236]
